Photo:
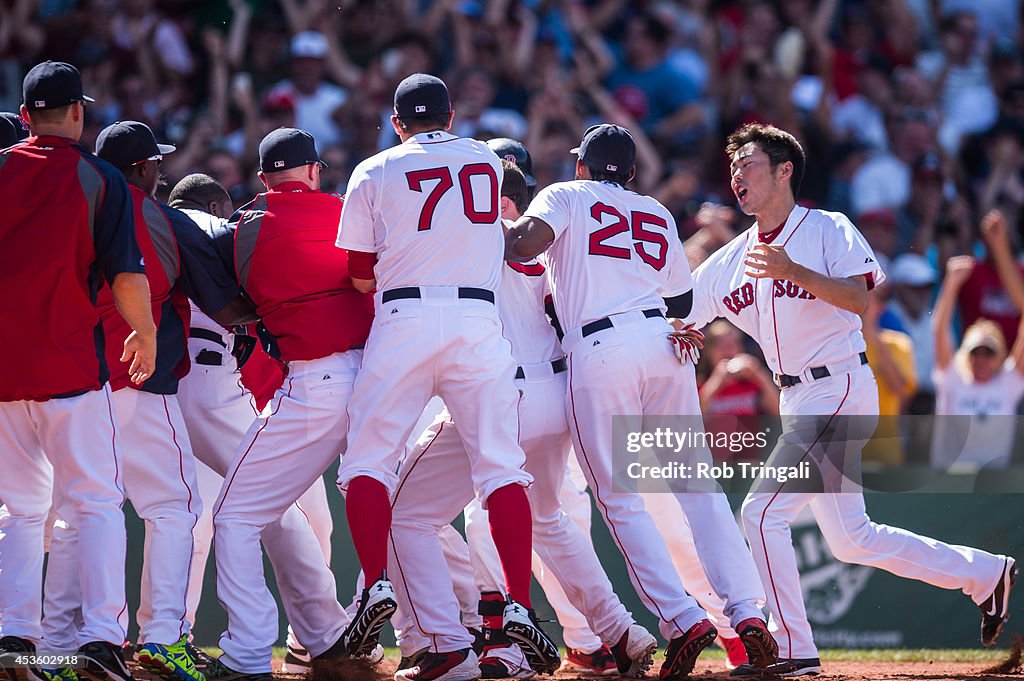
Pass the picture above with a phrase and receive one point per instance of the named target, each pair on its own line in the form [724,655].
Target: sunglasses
[158,158]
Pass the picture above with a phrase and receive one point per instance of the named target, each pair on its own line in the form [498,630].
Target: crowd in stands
[911,113]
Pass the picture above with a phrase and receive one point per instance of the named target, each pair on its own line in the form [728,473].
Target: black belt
[557,366]
[606,322]
[817,373]
[206,334]
[414,292]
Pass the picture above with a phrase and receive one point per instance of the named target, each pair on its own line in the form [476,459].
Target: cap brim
[88,99]
[531,181]
[166,148]
[575,150]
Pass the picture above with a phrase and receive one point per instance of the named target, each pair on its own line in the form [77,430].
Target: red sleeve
[360,264]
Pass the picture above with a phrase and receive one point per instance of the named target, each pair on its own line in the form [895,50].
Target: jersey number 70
[443,176]
[641,236]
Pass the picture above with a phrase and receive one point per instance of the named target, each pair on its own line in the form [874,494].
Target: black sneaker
[479,640]
[682,651]
[810,666]
[199,657]
[996,608]
[458,665]
[102,661]
[10,648]
[218,671]
[376,606]
[521,625]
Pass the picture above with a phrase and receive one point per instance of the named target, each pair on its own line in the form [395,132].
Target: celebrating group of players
[535,319]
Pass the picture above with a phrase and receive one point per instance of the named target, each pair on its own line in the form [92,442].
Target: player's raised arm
[958,269]
[527,238]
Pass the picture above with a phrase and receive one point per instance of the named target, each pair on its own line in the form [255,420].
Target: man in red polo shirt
[281,248]
[67,226]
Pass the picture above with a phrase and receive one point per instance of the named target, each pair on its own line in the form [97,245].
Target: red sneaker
[601,662]
[762,650]
[682,652]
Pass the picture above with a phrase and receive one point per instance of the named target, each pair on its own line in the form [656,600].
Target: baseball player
[795,282]
[218,406]
[280,247]
[616,266]
[422,221]
[159,468]
[56,427]
[419,513]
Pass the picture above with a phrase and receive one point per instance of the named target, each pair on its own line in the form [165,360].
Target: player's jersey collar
[431,137]
[285,187]
[796,217]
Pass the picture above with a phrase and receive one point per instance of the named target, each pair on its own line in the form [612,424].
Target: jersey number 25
[641,236]
[443,177]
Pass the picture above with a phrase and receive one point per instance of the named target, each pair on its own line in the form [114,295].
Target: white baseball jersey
[424,204]
[524,290]
[795,330]
[614,251]
[985,439]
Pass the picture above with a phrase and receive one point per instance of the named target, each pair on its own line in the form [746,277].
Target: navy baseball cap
[12,129]
[513,151]
[606,147]
[422,95]
[286,148]
[126,143]
[52,84]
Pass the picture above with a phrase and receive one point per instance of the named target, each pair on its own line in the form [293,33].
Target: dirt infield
[939,670]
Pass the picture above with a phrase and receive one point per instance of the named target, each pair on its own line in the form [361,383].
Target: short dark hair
[779,145]
[50,116]
[514,186]
[415,124]
[199,189]
[602,175]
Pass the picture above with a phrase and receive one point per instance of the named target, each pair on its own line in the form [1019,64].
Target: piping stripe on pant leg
[391,536]
[280,401]
[597,497]
[764,513]
[188,507]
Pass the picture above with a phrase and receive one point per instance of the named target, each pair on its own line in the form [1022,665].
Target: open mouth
[741,192]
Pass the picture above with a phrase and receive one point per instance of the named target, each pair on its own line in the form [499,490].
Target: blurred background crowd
[911,113]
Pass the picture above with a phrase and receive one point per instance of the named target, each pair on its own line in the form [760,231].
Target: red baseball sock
[368,510]
[512,530]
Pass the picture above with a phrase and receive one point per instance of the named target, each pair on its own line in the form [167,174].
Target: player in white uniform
[419,513]
[427,211]
[795,282]
[613,277]
[218,410]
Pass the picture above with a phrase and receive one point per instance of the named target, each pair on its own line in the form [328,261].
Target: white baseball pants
[436,345]
[160,481]
[842,518]
[456,554]
[575,503]
[630,369]
[419,514]
[279,458]
[218,410]
[67,445]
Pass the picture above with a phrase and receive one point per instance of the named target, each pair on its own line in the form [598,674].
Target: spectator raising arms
[977,380]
